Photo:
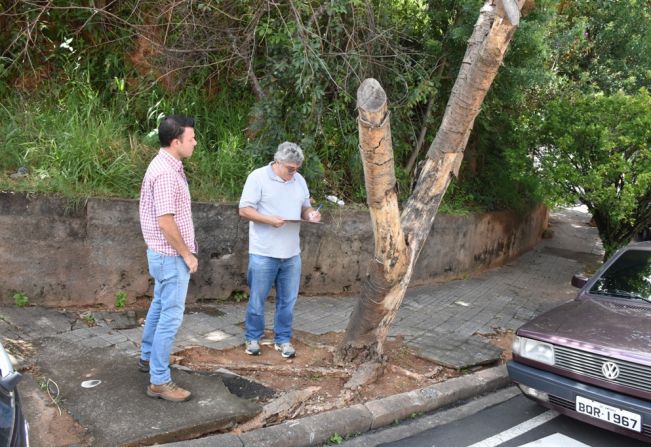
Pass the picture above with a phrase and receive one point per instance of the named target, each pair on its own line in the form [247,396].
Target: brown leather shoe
[168,391]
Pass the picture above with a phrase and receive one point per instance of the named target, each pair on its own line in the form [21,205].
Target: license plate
[608,413]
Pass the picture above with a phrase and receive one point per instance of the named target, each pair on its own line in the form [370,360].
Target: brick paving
[442,322]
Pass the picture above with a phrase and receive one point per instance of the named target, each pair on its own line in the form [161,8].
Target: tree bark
[370,320]
[399,239]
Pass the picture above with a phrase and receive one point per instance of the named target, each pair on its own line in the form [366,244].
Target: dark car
[13,426]
[591,358]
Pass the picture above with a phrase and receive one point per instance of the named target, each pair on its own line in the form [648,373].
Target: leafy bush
[597,149]
[253,75]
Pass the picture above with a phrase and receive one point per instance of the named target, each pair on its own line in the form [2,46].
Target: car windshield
[628,277]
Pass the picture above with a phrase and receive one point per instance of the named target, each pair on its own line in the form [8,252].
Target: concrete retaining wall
[62,253]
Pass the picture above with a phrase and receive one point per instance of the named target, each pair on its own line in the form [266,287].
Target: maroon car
[591,358]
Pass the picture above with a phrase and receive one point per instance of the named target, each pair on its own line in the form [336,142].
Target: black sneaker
[143,365]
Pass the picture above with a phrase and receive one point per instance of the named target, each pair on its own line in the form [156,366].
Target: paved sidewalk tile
[456,352]
[441,321]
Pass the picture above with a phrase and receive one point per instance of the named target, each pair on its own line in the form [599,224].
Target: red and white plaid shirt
[165,191]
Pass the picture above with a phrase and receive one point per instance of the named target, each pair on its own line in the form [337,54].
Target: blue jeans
[171,278]
[263,273]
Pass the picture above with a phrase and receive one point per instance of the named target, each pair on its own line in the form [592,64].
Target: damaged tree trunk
[369,323]
[399,239]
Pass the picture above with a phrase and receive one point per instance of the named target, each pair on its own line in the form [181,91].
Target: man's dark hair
[173,127]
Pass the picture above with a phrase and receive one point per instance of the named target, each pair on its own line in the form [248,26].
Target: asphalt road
[503,419]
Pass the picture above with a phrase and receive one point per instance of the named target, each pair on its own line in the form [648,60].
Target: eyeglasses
[291,169]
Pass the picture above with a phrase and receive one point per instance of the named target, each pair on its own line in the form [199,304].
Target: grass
[78,143]
[20,299]
[239,296]
[70,147]
[75,143]
[89,319]
[335,439]
[120,299]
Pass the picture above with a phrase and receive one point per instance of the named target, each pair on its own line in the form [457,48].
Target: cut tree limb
[389,264]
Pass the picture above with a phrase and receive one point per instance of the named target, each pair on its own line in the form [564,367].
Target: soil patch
[503,339]
[50,424]
[314,366]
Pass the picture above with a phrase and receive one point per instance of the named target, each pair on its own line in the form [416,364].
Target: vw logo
[610,370]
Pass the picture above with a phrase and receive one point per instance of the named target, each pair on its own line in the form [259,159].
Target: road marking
[554,441]
[516,431]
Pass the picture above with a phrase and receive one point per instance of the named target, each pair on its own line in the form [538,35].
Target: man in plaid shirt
[166,223]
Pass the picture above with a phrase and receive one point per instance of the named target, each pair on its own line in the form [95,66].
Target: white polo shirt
[270,195]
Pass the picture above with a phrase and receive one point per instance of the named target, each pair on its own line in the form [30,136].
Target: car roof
[644,245]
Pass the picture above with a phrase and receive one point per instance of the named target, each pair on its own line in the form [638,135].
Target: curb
[360,418]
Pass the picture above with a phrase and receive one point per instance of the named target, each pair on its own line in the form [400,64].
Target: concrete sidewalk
[441,322]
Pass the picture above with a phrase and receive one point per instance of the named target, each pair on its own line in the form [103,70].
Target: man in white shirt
[275,198]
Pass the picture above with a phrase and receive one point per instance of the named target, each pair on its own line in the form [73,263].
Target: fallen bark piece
[435,372]
[366,373]
[278,409]
[405,372]
[342,401]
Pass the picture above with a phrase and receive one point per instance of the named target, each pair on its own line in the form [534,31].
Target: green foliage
[84,89]
[307,62]
[603,45]
[239,296]
[120,299]
[46,39]
[89,319]
[496,173]
[310,75]
[20,299]
[71,144]
[76,142]
[335,439]
[220,164]
[459,200]
[597,149]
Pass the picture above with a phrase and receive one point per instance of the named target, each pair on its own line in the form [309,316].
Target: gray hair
[289,153]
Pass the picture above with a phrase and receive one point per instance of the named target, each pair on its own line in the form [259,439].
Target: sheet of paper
[302,221]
